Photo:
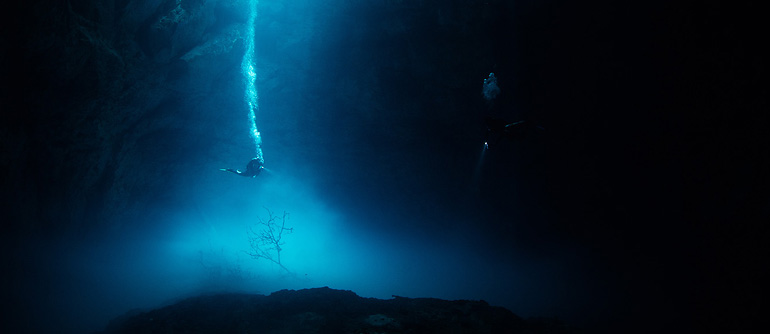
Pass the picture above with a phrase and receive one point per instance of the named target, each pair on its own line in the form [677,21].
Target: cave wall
[98,91]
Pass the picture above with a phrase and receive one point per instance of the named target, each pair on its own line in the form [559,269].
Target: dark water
[371,116]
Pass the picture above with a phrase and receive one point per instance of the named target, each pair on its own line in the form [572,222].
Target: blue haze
[385,192]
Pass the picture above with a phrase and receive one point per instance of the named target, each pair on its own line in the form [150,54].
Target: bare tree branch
[266,242]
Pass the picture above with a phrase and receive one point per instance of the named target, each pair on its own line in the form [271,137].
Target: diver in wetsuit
[253,168]
[498,129]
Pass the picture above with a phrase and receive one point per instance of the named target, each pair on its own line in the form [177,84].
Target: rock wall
[96,88]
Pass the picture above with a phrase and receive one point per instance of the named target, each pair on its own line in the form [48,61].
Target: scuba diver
[497,129]
[253,168]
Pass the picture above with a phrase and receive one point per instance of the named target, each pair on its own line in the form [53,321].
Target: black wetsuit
[253,168]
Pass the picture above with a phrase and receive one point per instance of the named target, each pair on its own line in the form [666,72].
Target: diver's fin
[514,124]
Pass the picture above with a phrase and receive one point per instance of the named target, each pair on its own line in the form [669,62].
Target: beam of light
[477,170]
[249,70]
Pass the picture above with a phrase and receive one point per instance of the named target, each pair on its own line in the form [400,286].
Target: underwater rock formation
[325,310]
[96,86]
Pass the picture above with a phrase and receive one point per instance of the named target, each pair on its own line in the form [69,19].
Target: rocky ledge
[325,310]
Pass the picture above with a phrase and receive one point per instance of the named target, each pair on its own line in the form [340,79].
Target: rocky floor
[325,310]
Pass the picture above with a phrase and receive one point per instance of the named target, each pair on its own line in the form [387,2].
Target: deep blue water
[371,121]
